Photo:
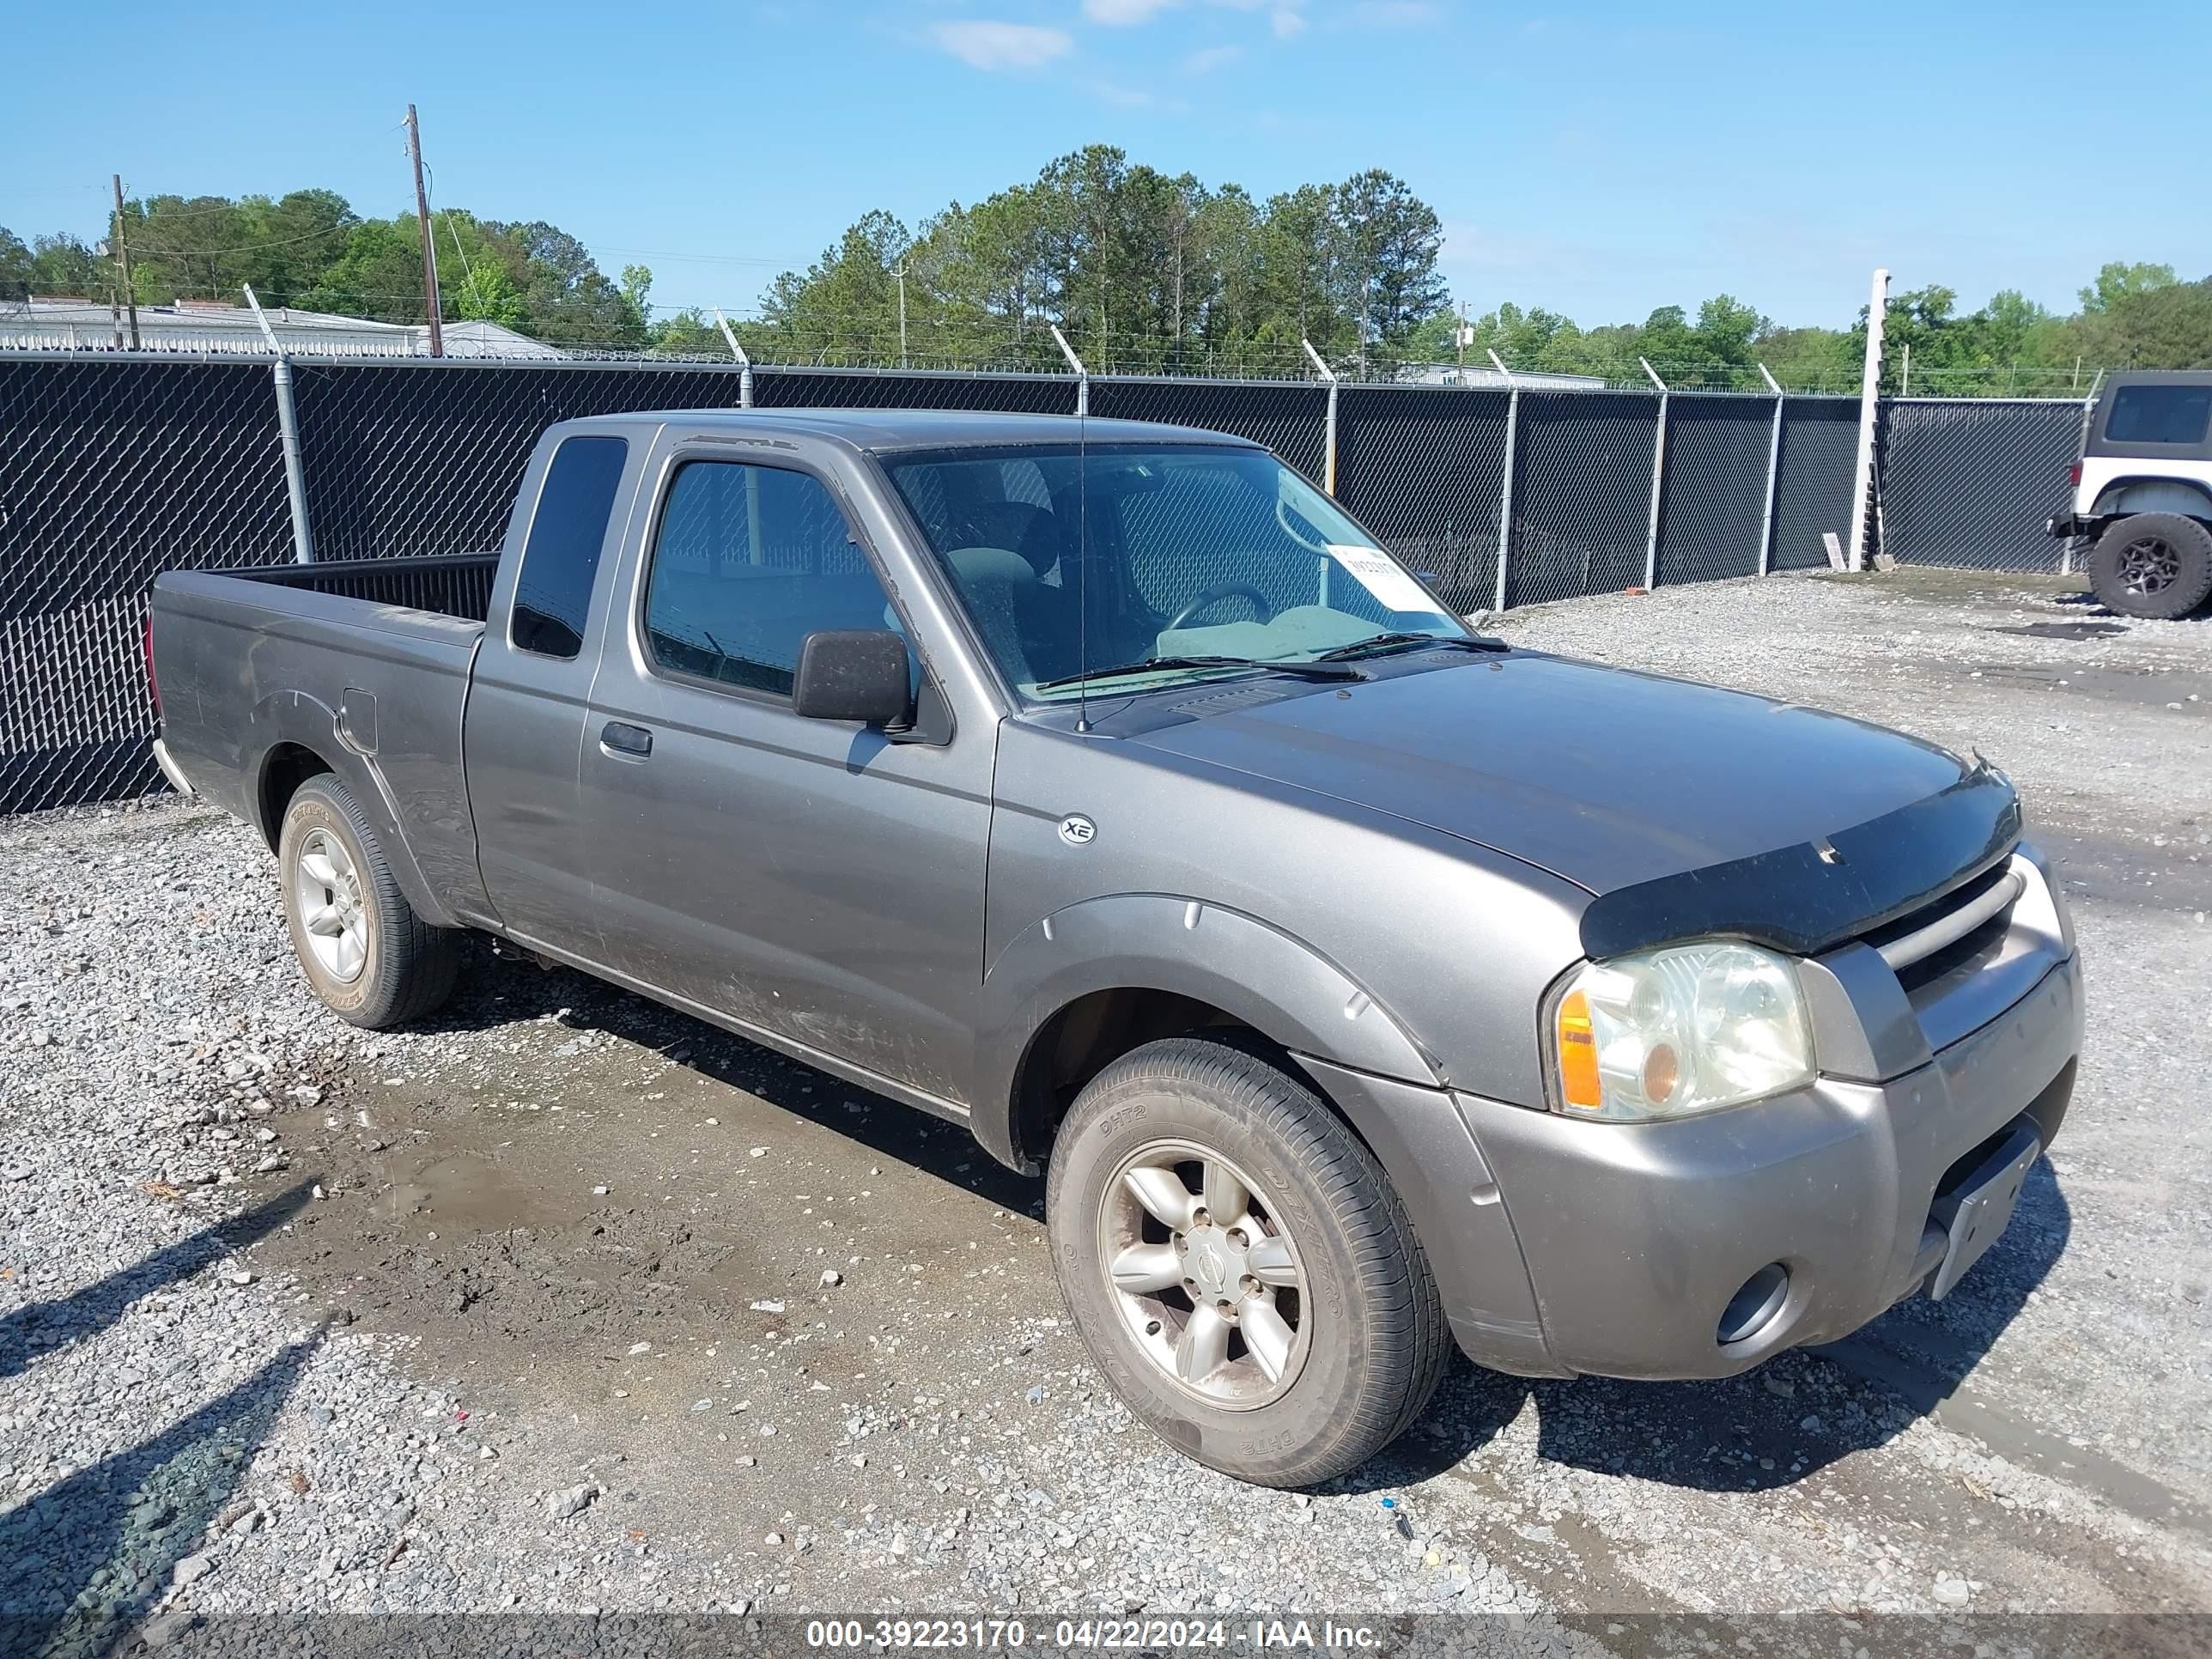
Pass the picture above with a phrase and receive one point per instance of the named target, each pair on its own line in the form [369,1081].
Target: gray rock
[573,1501]
[168,1628]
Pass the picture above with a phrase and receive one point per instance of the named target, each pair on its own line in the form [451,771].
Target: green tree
[2119,282]
[15,266]
[1388,241]
[488,294]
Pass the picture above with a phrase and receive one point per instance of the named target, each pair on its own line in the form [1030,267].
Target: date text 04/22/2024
[1105,1634]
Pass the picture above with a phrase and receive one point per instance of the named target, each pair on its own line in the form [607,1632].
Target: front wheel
[2155,565]
[1239,1266]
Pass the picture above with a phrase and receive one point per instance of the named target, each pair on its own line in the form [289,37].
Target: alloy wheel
[2149,564]
[327,890]
[1208,1280]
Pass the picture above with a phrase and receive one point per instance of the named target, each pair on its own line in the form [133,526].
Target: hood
[1608,778]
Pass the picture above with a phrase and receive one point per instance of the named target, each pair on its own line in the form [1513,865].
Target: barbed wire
[990,342]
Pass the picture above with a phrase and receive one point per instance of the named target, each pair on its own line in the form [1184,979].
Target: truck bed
[360,667]
[452,584]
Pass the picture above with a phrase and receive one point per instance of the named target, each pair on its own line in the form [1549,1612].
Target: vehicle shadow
[1771,1427]
[1743,1433]
[497,991]
[39,1328]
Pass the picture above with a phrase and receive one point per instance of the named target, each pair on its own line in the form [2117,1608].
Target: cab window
[747,561]
[553,589]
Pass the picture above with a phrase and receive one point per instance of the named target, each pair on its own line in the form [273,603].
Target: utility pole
[429,243]
[123,258]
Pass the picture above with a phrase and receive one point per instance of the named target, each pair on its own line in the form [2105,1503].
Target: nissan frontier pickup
[1359,985]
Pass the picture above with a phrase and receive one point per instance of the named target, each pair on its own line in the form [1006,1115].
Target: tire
[372,960]
[2155,565]
[1342,1269]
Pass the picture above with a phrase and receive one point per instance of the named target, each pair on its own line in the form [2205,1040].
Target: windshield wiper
[1381,643]
[1305,669]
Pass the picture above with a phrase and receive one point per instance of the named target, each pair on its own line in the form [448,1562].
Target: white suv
[2142,494]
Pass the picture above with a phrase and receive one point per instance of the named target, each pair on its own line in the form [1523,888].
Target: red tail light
[2074,473]
[146,641]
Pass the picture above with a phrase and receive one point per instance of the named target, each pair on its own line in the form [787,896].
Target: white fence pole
[1505,487]
[1658,484]
[1869,411]
[288,428]
[1328,429]
[1773,474]
[1082,374]
[744,364]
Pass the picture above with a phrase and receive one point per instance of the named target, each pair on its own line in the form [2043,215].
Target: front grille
[1949,933]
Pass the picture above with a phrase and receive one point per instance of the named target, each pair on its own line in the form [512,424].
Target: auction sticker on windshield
[1372,570]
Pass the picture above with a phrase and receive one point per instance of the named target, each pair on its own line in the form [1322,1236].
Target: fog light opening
[1754,1307]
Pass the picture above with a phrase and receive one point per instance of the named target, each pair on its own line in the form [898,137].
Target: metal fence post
[1658,479]
[1329,426]
[744,364]
[1869,408]
[1773,474]
[1082,374]
[288,427]
[1505,487]
[2081,445]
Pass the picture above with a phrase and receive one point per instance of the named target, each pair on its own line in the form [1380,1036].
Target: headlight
[1665,1033]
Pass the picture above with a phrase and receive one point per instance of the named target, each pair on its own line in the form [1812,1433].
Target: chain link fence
[113,468]
[1970,483]
[1424,469]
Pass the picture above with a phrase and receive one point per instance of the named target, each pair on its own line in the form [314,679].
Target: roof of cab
[881,429]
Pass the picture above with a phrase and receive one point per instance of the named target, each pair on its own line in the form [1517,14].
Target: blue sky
[1602,159]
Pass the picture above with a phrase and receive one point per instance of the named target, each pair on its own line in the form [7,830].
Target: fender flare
[296,718]
[1274,982]
[2125,497]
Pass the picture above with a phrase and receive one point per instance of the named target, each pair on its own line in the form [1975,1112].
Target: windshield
[1124,567]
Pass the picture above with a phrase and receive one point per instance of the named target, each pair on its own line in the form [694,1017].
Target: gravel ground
[563,1303]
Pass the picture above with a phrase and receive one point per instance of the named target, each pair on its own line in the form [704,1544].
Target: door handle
[630,742]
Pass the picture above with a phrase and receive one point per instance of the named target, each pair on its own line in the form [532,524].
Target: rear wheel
[369,956]
[2155,565]
[1239,1266]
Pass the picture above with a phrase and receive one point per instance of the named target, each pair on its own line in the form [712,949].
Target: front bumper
[1636,1238]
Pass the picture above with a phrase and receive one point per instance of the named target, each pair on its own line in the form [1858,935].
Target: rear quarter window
[2159,415]
[553,589]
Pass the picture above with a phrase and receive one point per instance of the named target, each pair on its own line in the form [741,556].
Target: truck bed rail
[452,584]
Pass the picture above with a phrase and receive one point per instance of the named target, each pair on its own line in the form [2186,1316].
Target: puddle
[2142,686]
[2083,630]
[1965,1411]
[477,1190]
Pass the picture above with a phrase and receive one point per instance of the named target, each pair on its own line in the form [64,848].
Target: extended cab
[1359,982]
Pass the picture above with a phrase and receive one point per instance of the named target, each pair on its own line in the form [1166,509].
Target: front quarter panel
[1336,930]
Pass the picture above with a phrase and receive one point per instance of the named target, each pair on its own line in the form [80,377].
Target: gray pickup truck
[1358,983]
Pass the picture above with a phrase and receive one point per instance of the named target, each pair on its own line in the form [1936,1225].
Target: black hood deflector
[1803,900]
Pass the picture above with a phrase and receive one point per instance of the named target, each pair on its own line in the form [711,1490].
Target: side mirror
[852,674]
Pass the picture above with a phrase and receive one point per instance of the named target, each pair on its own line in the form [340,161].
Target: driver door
[812,879]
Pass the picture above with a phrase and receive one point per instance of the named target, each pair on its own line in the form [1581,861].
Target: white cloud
[1287,23]
[1210,58]
[983,44]
[1119,14]
[1398,14]
[1112,92]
